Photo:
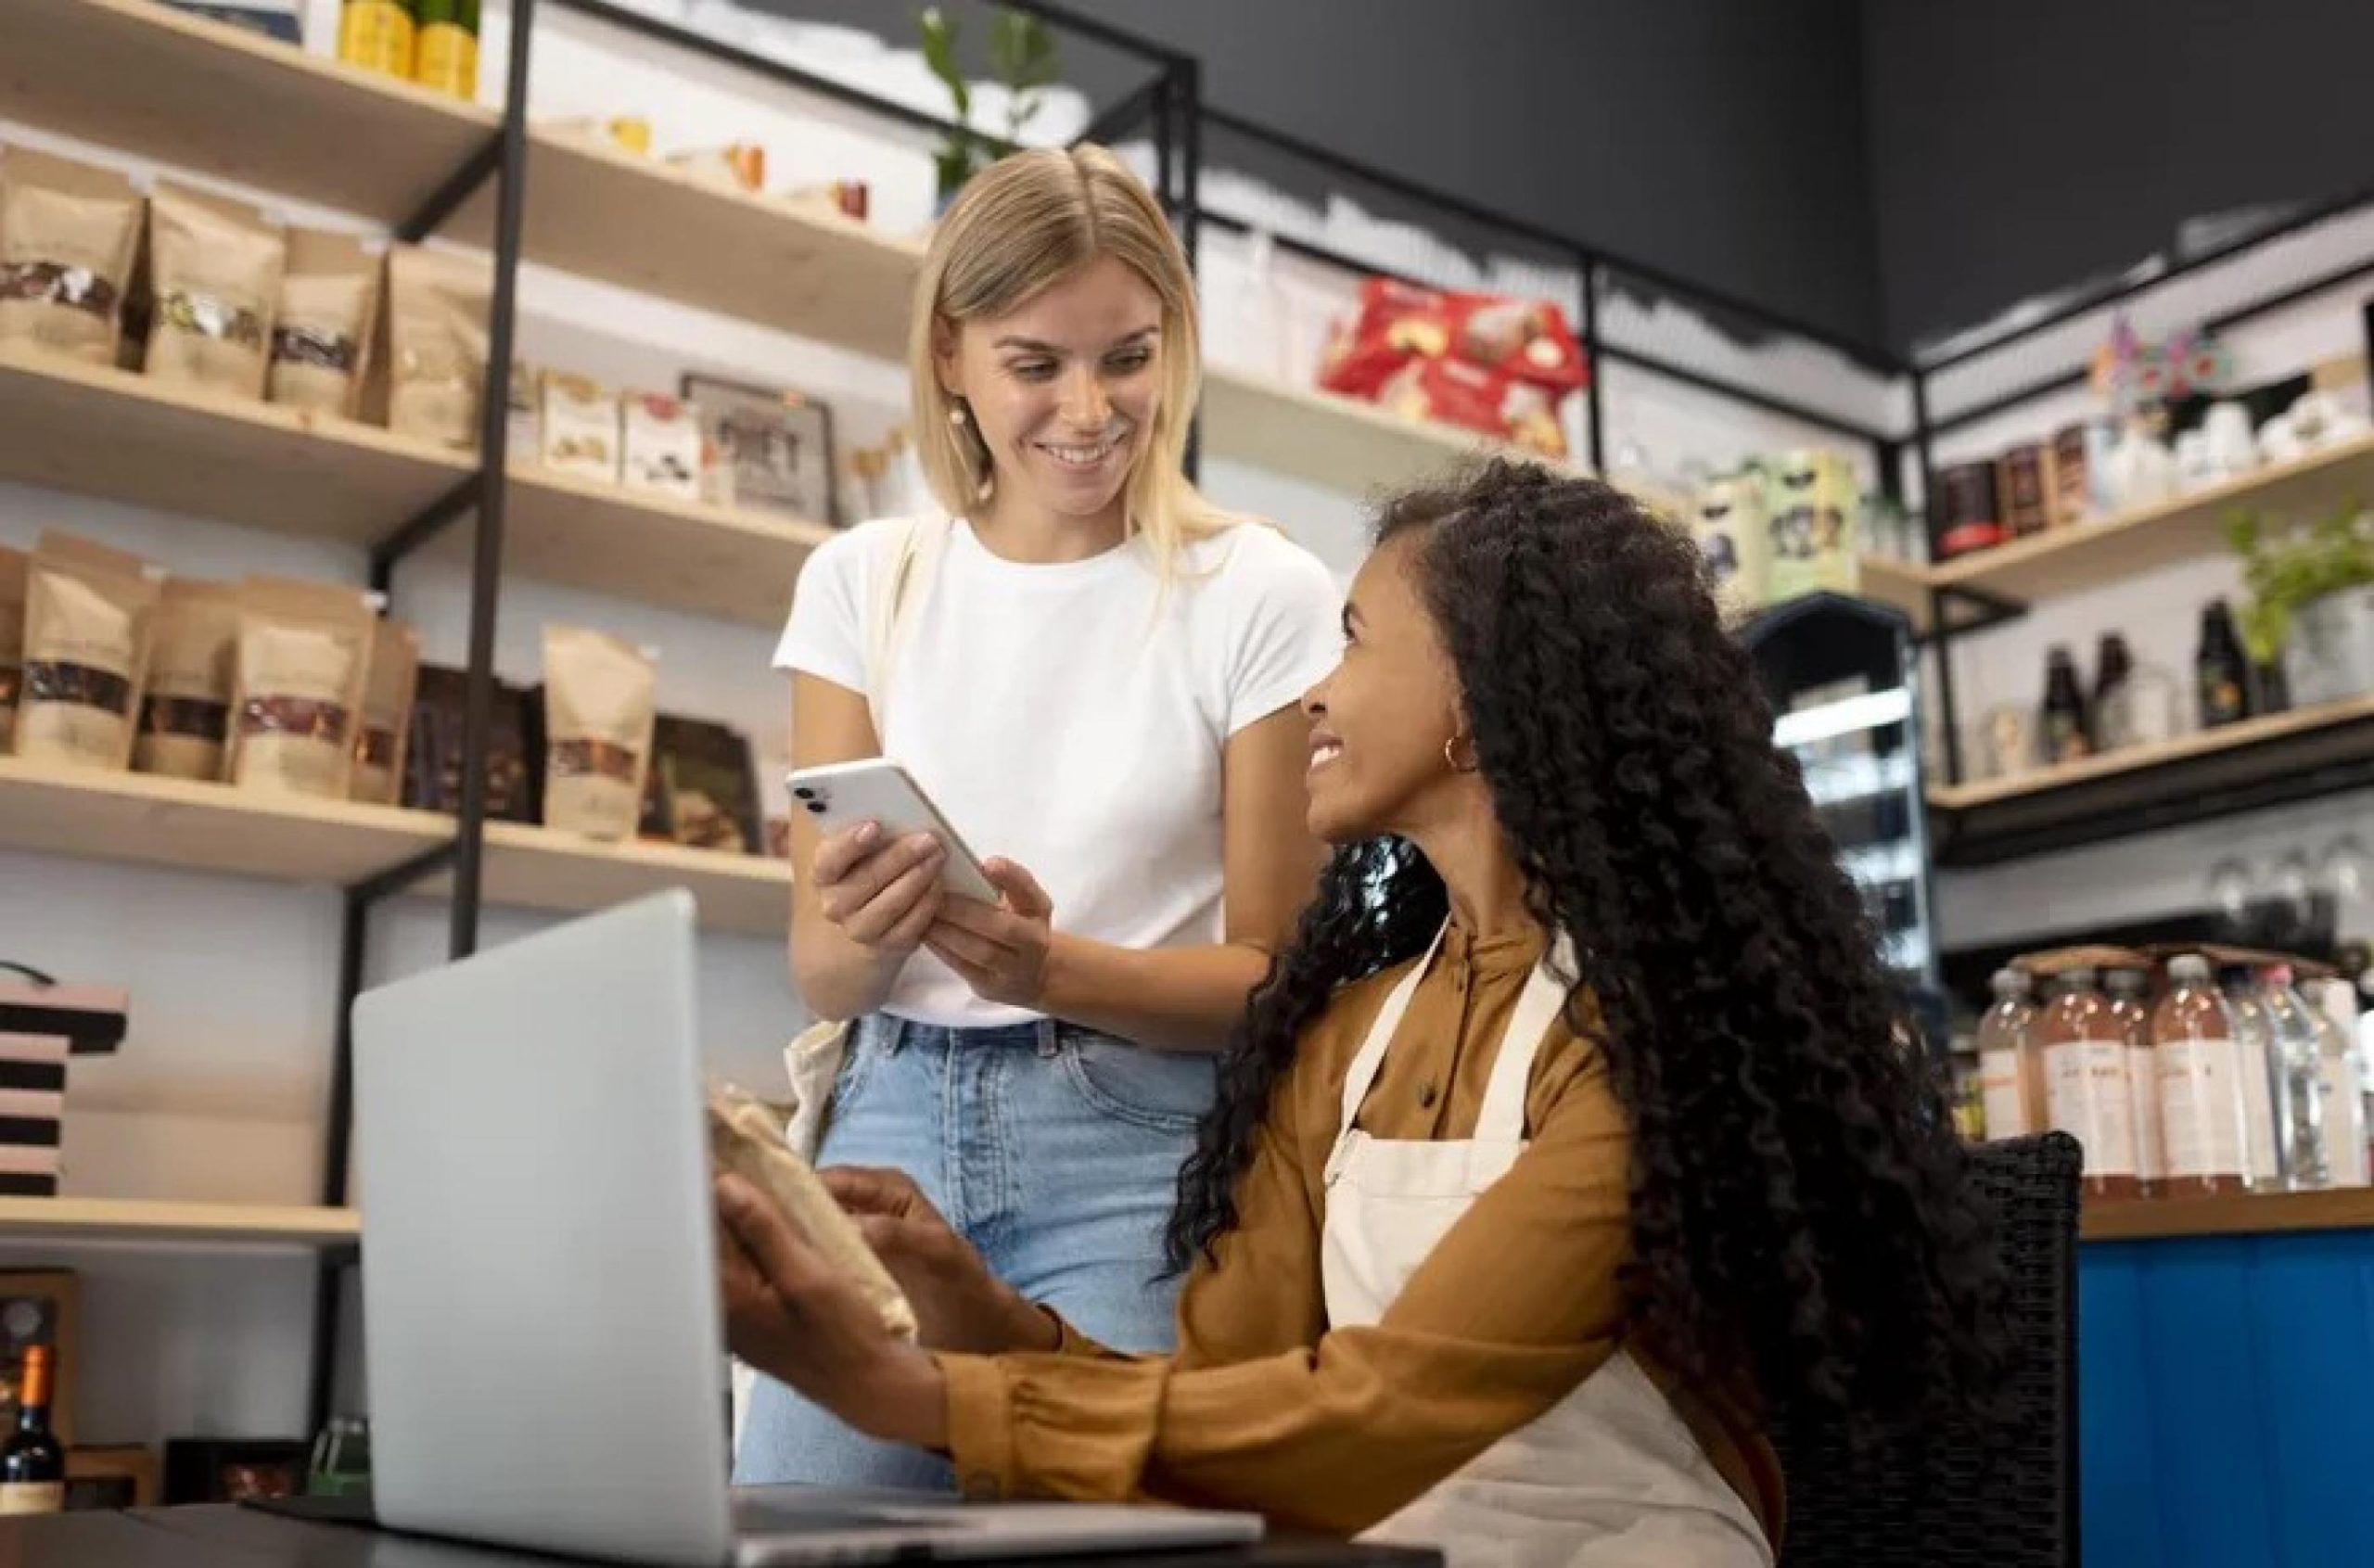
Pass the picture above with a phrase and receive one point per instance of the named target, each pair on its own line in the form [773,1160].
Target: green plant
[1022,59]
[2285,574]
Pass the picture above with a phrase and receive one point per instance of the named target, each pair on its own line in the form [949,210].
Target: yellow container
[378,35]
[448,58]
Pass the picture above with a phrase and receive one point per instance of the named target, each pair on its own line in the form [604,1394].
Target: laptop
[542,1329]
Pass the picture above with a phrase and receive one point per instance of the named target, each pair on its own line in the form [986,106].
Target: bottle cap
[2008,983]
[2191,970]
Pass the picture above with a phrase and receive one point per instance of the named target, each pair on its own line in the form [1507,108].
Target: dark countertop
[234,1538]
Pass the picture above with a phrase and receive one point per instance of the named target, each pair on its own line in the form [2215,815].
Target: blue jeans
[1054,1149]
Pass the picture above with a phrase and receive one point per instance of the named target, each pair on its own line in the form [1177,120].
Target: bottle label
[2086,1087]
[32,1497]
[2201,1096]
[2143,1090]
[2255,1066]
[1998,1088]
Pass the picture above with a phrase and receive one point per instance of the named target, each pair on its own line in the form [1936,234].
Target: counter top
[2249,1213]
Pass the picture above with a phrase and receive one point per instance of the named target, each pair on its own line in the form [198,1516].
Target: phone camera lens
[804,792]
[817,807]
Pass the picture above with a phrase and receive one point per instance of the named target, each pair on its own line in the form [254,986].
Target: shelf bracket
[1989,610]
[447,199]
[432,522]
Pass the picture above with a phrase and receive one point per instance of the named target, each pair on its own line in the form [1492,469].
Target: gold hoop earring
[1450,755]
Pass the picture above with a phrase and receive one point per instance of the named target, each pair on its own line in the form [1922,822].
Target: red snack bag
[1490,401]
[1527,340]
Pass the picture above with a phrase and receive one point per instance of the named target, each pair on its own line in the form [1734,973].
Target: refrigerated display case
[1842,676]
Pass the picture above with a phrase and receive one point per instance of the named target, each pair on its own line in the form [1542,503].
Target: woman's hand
[798,1319]
[959,1304]
[883,897]
[998,949]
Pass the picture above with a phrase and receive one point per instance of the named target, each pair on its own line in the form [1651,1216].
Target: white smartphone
[841,795]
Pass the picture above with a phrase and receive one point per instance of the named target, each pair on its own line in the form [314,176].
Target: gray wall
[1721,140]
[2016,148]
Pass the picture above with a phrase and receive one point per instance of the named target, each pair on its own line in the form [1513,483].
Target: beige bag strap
[902,579]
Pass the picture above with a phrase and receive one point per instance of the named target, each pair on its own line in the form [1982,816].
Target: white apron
[1610,1477]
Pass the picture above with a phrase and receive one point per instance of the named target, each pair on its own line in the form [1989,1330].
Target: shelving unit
[2147,538]
[118,435]
[2252,1214]
[195,825]
[143,1223]
[2284,757]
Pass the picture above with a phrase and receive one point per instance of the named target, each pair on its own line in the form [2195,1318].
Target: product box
[1728,522]
[579,428]
[662,446]
[1812,508]
[707,794]
[273,18]
[433,749]
[2024,489]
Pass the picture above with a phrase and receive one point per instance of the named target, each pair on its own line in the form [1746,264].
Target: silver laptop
[541,1321]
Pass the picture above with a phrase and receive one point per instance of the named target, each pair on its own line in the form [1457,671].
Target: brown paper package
[87,622]
[304,664]
[12,642]
[186,709]
[745,1137]
[214,271]
[386,714]
[427,382]
[322,334]
[69,232]
[601,701]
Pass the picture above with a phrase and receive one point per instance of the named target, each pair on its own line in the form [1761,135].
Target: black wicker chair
[2002,1493]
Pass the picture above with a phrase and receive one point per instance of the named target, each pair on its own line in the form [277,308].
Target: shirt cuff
[980,1425]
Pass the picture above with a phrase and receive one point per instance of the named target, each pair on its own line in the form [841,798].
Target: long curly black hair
[1802,1211]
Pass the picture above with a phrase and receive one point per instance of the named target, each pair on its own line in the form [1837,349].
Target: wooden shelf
[710,560]
[2254,1214]
[195,825]
[100,431]
[2301,755]
[111,433]
[2089,554]
[606,213]
[136,75]
[537,868]
[128,1220]
[2202,743]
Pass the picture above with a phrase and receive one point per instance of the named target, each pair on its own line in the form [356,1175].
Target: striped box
[93,1017]
[33,1111]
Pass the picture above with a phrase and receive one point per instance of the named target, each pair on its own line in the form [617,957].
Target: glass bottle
[2130,993]
[2300,1080]
[2199,1073]
[2010,1080]
[2221,672]
[2333,1008]
[2067,729]
[2086,1090]
[2114,717]
[2254,1041]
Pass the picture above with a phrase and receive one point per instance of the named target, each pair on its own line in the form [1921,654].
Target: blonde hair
[1019,226]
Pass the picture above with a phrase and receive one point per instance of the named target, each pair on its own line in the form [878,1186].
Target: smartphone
[841,795]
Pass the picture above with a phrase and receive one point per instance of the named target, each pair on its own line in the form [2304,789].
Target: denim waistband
[890,1034]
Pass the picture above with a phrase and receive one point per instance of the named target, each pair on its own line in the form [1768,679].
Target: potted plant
[1022,60]
[2311,602]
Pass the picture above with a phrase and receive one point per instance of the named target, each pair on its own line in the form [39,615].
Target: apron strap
[1361,1077]
[1499,1126]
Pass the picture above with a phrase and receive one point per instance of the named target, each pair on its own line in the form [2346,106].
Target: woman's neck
[1035,536]
[1485,885]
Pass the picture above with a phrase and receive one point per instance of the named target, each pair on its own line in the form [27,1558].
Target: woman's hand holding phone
[884,895]
[998,949]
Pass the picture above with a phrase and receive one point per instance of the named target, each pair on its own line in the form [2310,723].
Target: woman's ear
[943,355]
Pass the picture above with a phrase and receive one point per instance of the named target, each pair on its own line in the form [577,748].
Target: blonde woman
[1095,674]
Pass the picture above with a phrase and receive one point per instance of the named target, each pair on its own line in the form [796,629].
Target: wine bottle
[33,1464]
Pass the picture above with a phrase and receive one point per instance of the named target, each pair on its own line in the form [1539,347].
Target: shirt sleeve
[825,635]
[1288,631]
[1514,1308]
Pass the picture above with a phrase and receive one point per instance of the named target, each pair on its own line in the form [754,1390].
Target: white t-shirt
[1071,717]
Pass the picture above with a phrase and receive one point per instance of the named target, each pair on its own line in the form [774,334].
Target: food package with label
[1452,392]
[1812,511]
[1728,521]
[662,446]
[578,429]
[1527,340]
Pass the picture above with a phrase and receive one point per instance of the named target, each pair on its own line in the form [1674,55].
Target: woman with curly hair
[1576,1137]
